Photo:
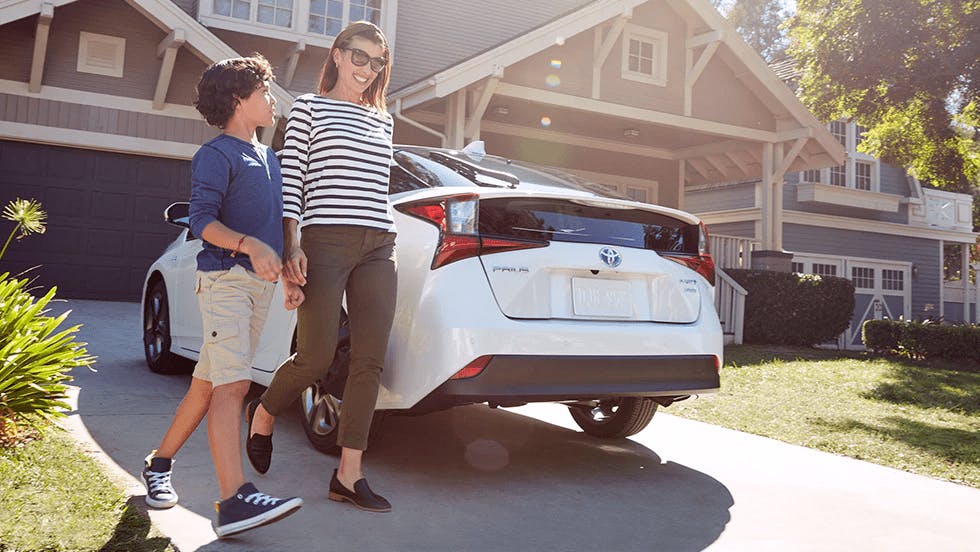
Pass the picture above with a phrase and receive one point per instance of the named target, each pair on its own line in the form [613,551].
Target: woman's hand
[294,268]
[292,294]
[265,261]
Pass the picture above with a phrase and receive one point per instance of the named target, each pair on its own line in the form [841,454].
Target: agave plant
[28,218]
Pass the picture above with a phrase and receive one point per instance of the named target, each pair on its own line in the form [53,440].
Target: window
[276,12]
[862,175]
[863,278]
[369,10]
[859,171]
[316,22]
[892,279]
[838,175]
[645,55]
[797,267]
[825,269]
[326,17]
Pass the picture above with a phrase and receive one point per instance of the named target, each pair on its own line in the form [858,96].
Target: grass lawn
[908,415]
[54,497]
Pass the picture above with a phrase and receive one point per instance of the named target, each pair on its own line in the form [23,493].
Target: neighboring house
[654,98]
[863,220]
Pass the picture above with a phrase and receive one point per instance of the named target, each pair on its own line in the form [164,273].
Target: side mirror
[178,214]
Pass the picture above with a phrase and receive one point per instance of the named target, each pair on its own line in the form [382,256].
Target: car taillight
[702,263]
[457,218]
[474,368]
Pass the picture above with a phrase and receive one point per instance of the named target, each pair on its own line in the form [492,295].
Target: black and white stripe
[335,164]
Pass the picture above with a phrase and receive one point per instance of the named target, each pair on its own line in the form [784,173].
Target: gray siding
[924,253]
[893,181]
[189,6]
[461,30]
[21,109]
[953,312]
[736,229]
[734,196]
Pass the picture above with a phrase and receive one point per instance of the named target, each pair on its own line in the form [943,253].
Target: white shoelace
[159,482]
[261,499]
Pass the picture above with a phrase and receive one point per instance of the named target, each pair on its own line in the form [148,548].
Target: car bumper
[535,378]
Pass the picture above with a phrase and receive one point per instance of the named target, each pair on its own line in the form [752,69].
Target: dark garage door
[105,216]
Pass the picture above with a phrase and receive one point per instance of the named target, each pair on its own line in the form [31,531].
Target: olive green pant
[361,262]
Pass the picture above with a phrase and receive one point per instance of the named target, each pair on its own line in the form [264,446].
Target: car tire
[616,418]
[320,403]
[156,333]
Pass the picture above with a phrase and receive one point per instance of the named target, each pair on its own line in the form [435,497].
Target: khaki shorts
[234,305]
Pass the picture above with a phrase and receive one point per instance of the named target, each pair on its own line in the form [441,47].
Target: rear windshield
[572,221]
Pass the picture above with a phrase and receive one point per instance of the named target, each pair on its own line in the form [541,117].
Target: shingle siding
[723,198]
[433,35]
[189,6]
[924,253]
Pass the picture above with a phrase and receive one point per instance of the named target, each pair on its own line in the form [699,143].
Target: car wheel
[614,418]
[321,402]
[156,333]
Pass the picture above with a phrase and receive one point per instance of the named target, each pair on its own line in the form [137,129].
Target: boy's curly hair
[226,82]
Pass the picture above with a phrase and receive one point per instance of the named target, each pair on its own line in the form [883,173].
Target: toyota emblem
[610,257]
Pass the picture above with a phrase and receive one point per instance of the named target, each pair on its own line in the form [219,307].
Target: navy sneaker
[249,509]
[156,474]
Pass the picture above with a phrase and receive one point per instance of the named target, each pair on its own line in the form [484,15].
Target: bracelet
[238,247]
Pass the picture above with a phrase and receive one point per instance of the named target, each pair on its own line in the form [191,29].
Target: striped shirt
[335,164]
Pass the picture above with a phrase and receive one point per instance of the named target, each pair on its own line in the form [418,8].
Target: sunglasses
[361,58]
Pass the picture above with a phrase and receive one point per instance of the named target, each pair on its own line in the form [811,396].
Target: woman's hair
[375,94]
[226,82]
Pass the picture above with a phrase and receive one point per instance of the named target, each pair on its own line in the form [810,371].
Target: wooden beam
[705,38]
[718,166]
[738,163]
[292,61]
[702,170]
[639,114]
[40,46]
[167,49]
[693,73]
[603,50]
[472,128]
[711,149]
[785,162]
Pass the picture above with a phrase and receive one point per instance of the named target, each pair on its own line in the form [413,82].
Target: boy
[236,208]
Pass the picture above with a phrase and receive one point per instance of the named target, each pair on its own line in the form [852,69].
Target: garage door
[105,222]
[881,289]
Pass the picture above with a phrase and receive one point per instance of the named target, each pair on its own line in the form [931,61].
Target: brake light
[474,368]
[702,263]
[457,218]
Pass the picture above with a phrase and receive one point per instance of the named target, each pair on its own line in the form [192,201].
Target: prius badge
[610,257]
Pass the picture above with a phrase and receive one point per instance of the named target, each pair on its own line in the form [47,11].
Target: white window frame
[298,29]
[850,163]
[659,40]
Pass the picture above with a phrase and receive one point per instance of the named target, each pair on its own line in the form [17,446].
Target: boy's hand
[294,268]
[292,294]
[265,261]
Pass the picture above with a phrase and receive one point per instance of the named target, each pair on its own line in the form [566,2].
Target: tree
[907,70]
[759,22]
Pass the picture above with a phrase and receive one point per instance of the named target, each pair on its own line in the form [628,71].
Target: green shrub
[34,357]
[922,340]
[794,309]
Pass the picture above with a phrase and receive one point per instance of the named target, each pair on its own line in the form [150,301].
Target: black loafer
[258,447]
[361,497]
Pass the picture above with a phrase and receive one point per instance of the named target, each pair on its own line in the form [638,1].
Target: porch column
[771,256]
[455,119]
[965,279]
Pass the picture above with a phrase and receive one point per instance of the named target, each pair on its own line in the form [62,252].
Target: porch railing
[731,252]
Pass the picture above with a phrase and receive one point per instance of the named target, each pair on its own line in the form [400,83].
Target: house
[903,245]
[660,99]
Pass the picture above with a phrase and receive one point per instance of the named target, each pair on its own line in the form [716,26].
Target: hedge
[922,340]
[785,308]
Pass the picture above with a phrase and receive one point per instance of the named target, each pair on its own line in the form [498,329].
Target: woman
[335,163]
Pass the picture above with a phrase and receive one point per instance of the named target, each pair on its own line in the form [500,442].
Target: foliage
[34,357]
[908,71]
[794,309]
[759,22]
[28,218]
[923,340]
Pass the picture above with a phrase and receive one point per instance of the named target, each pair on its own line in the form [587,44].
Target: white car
[516,283]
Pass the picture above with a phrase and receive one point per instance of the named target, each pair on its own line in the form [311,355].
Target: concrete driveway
[519,479]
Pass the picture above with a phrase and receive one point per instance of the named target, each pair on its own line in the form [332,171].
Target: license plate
[594,297]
